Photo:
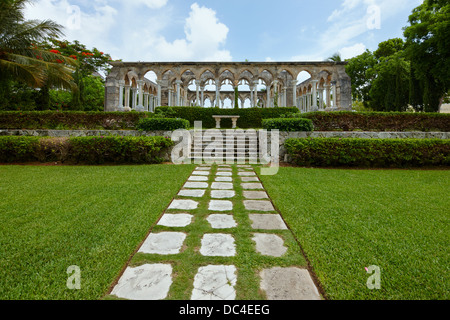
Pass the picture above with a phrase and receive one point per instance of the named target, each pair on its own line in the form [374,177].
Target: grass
[92,217]
[247,261]
[347,220]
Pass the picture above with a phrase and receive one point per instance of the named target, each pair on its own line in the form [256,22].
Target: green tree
[21,59]
[357,68]
[335,57]
[428,49]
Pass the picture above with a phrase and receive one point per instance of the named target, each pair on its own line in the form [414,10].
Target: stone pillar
[145,101]
[217,103]
[252,101]
[321,107]
[284,103]
[203,96]
[294,93]
[127,96]
[197,92]
[178,83]
[140,103]
[151,106]
[314,95]
[158,101]
[327,97]
[268,104]
[121,86]
[255,96]
[333,96]
[275,93]
[134,98]
[170,90]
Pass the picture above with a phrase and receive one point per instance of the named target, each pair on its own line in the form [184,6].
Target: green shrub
[90,150]
[18,149]
[249,118]
[334,152]
[164,124]
[71,120]
[378,121]
[286,124]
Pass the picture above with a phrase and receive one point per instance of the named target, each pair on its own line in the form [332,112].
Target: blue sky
[228,30]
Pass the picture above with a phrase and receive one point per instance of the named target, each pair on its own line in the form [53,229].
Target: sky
[227,30]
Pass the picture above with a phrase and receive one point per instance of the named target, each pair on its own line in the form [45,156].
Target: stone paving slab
[224,179]
[224,170]
[269,244]
[224,174]
[220,205]
[147,282]
[252,186]
[249,179]
[223,194]
[196,185]
[221,221]
[258,205]
[215,283]
[201,173]
[192,193]
[222,185]
[218,245]
[288,284]
[203,169]
[198,178]
[267,222]
[163,243]
[183,205]
[246,174]
[175,220]
[256,195]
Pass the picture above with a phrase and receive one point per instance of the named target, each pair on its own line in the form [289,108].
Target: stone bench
[219,119]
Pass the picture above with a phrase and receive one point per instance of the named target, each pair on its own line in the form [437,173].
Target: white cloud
[352,51]
[153,4]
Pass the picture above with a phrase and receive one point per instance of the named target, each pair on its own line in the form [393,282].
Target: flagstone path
[214,187]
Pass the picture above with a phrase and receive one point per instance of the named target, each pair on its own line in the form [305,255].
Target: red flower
[73,57]
[101,52]
[59,61]
[55,51]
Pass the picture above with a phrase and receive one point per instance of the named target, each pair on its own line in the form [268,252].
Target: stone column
[314,95]
[158,101]
[170,96]
[321,99]
[252,101]
[127,96]
[294,93]
[203,96]
[151,106]
[268,97]
[255,96]
[178,83]
[140,103]
[217,103]
[145,101]
[121,86]
[333,96]
[197,92]
[275,91]
[134,98]
[327,96]
[284,103]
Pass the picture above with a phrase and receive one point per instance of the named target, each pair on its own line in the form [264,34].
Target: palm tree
[20,57]
[335,57]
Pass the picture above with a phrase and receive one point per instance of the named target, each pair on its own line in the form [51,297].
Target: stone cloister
[270,84]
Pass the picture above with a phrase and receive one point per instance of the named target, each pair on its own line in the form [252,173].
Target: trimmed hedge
[290,125]
[89,150]
[70,120]
[333,152]
[378,121]
[249,118]
[166,124]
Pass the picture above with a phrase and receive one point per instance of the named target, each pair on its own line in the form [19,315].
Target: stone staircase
[224,146]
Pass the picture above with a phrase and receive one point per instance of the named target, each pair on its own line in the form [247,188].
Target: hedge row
[378,121]
[377,153]
[249,118]
[166,124]
[70,120]
[289,125]
[89,150]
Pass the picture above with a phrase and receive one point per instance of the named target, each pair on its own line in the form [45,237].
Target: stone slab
[249,179]
[224,179]
[175,220]
[192,193]
[218,245]
[221,221]
[252,186]
[222,186]
[255,195]
[222,194]
[220,205]
[246,174]
[258,205]
[198,178]
[224,174]
[267,222]
[269,244]
[147,282]
[203,169]
[163,243]
[195,185]
[200,173]
[288,284]
[183,205]
[215,283]
[224,169]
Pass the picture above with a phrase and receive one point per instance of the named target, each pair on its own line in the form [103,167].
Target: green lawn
[347,220]
[92,217]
